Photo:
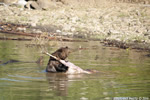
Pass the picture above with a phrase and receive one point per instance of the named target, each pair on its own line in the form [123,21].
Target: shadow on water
[124,74]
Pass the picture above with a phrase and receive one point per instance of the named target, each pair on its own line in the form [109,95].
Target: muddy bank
[27,34]
[18,29]
[122,22]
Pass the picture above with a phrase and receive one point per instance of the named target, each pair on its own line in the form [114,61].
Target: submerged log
[39,61]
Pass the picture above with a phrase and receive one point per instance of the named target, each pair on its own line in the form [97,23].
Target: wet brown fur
[54,65]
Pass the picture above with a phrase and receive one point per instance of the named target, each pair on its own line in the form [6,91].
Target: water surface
[124,74]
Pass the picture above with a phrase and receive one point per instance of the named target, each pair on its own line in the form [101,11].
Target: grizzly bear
[54,65]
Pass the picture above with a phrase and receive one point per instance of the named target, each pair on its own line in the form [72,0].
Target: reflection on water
[124,74]
[59,82]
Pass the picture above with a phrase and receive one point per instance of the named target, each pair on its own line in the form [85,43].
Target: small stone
[73,29]
[33,24]
[66,27]
[22,2]
[74,19]
[21,29]
[58,31]
[114,31]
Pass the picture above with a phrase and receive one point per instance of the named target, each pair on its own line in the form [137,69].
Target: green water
[124,74]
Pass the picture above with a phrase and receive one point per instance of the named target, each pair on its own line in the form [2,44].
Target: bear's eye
[66,47]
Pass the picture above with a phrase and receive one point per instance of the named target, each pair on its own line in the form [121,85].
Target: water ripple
[27,77]
[7,79]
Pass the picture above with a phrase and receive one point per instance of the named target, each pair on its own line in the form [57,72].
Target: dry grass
[83,3]
[96,3]
[42,40]
[133,1]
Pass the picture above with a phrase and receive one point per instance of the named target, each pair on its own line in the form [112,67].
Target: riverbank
[120,22]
